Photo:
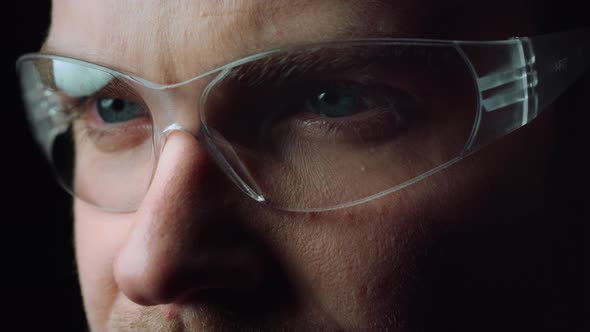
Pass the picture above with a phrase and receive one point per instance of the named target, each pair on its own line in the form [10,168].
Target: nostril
[163,263]
[161,283]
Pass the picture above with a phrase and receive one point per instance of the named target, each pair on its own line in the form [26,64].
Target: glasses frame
[529,74]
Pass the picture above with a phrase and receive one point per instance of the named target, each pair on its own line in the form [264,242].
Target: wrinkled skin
[465,246]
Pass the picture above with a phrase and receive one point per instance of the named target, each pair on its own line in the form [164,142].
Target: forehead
[172,40]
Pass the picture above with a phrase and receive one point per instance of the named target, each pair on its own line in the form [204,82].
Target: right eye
[114,110]
[112,124]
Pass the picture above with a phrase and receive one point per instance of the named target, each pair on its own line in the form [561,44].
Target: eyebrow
[295,60]
[355,29]
[321,58]
[285,64]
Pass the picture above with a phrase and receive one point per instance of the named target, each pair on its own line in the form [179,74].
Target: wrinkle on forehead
[171,41]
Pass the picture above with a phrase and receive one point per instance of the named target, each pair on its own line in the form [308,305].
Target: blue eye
[335,101]
[112,110]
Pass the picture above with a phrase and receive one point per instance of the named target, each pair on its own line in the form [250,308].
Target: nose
[185,240]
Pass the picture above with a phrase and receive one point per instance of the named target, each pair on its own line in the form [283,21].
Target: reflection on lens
[97,129]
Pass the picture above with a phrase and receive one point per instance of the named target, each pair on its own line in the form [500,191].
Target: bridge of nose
[179,108]
[175,106]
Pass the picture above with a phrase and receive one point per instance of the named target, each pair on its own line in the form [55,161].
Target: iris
[335,101]
[113,110]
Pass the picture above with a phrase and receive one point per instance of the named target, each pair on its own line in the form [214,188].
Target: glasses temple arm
[559,60]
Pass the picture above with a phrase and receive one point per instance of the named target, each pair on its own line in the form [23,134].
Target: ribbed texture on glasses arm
[519,78]
[559,60]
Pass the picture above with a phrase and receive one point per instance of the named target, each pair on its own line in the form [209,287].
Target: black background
[41,281]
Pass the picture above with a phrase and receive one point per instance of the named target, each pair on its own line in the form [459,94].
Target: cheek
[357,285]
[356,264]
[98,239]
[361,265]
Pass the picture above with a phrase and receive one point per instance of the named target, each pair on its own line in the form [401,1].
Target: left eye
[334,100]
[113,110]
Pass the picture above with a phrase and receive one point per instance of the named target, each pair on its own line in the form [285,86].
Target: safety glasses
[304,128]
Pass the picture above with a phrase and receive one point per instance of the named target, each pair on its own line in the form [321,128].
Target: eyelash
[277,108]
[382,115]
[373,125]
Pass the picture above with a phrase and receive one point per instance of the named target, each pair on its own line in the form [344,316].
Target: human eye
[349,111]
[338,99]
[341,109]
[312,105]
[116,110]
[113,119]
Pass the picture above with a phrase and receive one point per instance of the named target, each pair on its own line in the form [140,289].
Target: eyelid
[116,89]
[119,90]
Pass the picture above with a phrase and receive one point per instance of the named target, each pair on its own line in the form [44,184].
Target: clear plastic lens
[337,124]
[306,128]
[98,132]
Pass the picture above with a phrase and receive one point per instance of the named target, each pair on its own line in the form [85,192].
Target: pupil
[116,105]
[335,100]
[329,97]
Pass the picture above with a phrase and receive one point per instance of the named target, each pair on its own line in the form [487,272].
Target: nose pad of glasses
[176,126]
[225,157]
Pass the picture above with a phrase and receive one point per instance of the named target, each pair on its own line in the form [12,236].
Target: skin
[199,255]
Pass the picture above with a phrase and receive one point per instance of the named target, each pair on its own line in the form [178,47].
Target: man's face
[200,255]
